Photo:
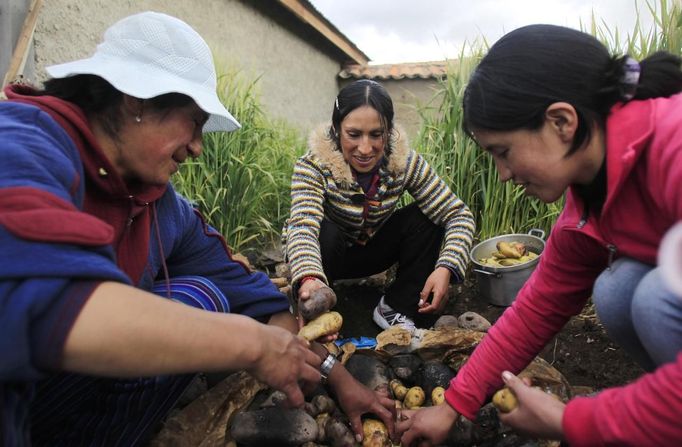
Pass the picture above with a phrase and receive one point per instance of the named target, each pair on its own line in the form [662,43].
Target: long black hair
[363,92]
[534,66]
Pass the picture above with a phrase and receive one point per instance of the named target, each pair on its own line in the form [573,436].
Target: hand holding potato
[320,300]
[428,424]
[537,413]
[302,364]
[356,400]
[322,297]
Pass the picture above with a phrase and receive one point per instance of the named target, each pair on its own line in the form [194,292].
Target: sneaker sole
[379,320]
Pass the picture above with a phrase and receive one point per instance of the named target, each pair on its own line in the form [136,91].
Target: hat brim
[144,81]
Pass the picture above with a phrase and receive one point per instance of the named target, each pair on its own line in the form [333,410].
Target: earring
[138,119]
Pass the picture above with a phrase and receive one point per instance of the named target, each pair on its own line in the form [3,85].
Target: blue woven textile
[77,410]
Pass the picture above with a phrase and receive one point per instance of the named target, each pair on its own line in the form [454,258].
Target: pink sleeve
[557,290]
[645,413]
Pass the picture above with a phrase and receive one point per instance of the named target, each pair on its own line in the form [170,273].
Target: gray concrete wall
[297,71]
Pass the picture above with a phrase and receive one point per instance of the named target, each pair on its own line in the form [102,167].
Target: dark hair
[363,92]
[534,66]
[97,97]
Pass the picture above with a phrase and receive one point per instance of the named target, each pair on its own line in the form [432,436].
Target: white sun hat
[151,54]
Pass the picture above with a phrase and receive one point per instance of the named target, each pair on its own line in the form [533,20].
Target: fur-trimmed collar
[324,149]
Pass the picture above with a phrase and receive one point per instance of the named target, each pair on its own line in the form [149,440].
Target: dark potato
[434,373]
[273,426]
[320,301]
[369,371]
[405,367]
[339,433]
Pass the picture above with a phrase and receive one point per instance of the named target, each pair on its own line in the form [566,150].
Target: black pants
[408,238]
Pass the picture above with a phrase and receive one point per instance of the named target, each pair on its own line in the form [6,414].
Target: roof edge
[306,12]
[405,70]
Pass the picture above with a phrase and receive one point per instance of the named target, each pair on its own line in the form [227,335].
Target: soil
[582,351]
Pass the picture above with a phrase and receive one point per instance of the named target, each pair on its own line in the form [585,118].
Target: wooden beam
[322,27]
[18,61]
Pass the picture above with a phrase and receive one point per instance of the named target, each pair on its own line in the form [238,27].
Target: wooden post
[18,61]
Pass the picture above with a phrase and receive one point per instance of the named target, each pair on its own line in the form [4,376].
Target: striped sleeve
[443,207]
[303,226]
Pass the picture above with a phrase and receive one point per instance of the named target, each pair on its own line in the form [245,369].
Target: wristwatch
[327,366]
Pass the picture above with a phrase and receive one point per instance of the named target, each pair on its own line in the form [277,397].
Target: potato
[438,395]
[505,400]
[414,398]
[339,433]
[323,404]
[510,262]
[399,390]
[321,420]
[510,249]
[375,434]
[325,324]
[319,302]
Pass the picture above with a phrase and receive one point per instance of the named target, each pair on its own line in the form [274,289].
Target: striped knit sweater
[322,186]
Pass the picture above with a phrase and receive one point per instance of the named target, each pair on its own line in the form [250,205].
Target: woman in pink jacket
[558,114]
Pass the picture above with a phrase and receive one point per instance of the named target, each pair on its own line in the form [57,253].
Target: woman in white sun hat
[90,225]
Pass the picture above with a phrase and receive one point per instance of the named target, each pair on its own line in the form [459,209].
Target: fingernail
[358,438]
[506,376]
[421,302]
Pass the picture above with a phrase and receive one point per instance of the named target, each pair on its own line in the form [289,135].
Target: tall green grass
[501,207]
[241,181]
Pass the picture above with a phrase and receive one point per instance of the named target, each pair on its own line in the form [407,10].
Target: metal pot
[499,285]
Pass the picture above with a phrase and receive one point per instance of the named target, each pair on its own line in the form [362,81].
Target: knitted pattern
[322,186]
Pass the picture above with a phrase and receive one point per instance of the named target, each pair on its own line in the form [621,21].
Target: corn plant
[502,208]
[241,181]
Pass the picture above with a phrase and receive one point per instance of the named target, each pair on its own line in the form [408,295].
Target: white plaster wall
[297,79]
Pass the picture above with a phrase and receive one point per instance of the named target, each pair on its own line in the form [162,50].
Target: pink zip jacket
[644,199]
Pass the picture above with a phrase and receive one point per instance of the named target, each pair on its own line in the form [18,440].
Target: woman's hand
[356,399]
[435,289]
[304,292]
[283,361]
[426,426]
[538,414]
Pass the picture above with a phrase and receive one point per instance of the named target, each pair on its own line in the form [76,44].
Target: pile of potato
[509,254]
[414,397]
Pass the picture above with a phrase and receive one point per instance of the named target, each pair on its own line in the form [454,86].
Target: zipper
[583,218]
[612,249]
[131,202]
[612,254]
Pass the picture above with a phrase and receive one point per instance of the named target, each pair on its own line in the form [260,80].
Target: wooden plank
[344,45]
[18,61]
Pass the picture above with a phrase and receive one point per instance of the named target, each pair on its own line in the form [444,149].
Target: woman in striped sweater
[345,221]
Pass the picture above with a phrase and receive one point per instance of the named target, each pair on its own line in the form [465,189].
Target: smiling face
[150,151]
[538,160]
[363,138]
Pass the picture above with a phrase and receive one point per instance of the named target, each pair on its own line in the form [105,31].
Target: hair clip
[630,78]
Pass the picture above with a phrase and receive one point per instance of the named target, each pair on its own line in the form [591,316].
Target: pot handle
[537,233]
[485,272]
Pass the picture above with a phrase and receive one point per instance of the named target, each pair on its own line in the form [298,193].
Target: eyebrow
[492,147]
[355,129]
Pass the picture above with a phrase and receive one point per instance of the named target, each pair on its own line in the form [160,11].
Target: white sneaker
[385,317]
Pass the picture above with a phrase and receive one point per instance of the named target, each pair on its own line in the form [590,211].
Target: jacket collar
[324,150]
[629,130]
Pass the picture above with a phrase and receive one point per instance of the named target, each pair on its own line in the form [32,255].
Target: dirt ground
[581,351]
